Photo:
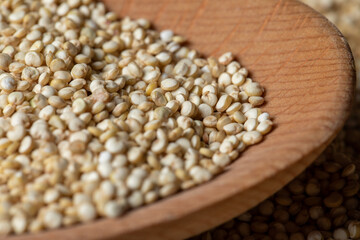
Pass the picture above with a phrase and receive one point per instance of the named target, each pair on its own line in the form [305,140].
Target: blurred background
[323,203]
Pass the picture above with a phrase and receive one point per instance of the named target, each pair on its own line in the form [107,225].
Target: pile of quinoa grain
[100,115]
[323,203]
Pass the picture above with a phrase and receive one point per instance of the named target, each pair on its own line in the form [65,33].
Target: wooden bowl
[307,68]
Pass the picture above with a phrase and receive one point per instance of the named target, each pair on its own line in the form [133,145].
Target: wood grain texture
[307,69]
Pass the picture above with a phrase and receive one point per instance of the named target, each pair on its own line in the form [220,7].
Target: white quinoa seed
[52,219]
[86,211]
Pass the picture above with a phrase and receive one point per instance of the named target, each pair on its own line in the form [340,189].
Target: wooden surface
[307,69]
